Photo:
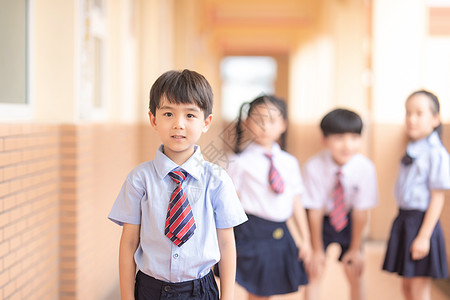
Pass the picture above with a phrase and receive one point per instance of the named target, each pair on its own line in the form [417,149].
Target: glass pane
[13,51]
[243,79]
[98,4]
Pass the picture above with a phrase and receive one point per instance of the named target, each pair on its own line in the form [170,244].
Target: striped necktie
[275,180]
[180,224]
[338,217]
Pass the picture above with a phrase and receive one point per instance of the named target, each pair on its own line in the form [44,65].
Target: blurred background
[74,82]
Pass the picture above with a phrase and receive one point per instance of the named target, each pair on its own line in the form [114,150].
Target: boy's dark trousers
[149,288]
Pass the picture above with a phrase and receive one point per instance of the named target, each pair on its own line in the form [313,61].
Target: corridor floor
[380,285]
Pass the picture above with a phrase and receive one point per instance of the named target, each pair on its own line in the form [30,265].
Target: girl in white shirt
[268,260]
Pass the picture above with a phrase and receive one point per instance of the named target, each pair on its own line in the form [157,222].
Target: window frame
[96,17]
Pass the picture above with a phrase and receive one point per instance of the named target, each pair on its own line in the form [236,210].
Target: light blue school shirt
[144,199]
[430,170]
[359,180]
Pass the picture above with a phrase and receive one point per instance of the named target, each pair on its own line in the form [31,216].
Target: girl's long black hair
[249,106]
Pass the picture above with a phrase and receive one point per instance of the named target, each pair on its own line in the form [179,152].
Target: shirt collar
[260,149]
[415,148]
[194,164]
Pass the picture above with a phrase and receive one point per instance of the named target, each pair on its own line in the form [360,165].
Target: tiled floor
[380,285]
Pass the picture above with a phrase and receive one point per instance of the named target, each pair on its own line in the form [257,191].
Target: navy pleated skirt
[267,258]
[398,255]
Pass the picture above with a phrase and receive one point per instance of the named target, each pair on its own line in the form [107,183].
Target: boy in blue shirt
[341,187]
[177,211]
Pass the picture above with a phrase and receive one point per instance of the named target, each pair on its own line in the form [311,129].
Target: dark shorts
[343,237]
[398,255]
[149,288]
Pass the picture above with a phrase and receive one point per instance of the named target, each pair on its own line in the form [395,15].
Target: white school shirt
[250,173]
[358,179]
[430,170]
[144,199]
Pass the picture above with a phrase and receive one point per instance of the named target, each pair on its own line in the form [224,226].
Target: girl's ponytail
[239,130]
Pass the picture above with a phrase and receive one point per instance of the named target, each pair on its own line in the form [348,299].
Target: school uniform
[359,183]
[267,256]
[425,168]
[144,199]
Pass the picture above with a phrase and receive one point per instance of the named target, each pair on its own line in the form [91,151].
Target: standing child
[269,185]
[177,211]
[341,187]
[416,249]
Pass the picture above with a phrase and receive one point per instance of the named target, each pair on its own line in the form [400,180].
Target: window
[14,61]
[93,60]
[243,79]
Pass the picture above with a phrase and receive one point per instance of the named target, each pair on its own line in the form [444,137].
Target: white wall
[406,58]
[398,55]
[53,57]
[328,68]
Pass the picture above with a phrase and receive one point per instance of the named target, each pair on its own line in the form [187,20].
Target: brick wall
[95,162]
[57,185]
[29,192]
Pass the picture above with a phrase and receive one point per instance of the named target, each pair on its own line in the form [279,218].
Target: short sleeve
[228,211]
[315,195]
[439,178]
[127,207]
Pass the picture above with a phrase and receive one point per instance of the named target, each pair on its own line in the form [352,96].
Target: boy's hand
[354,261]
[316,264]
[420,248]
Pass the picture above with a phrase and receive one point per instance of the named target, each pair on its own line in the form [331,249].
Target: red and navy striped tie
[180,224]
[275,180]
[338,217]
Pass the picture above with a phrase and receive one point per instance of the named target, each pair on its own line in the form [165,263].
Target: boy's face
[179,126]
[343,146]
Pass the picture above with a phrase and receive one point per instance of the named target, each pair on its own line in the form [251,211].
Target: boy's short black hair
[182,87]
[340,121]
